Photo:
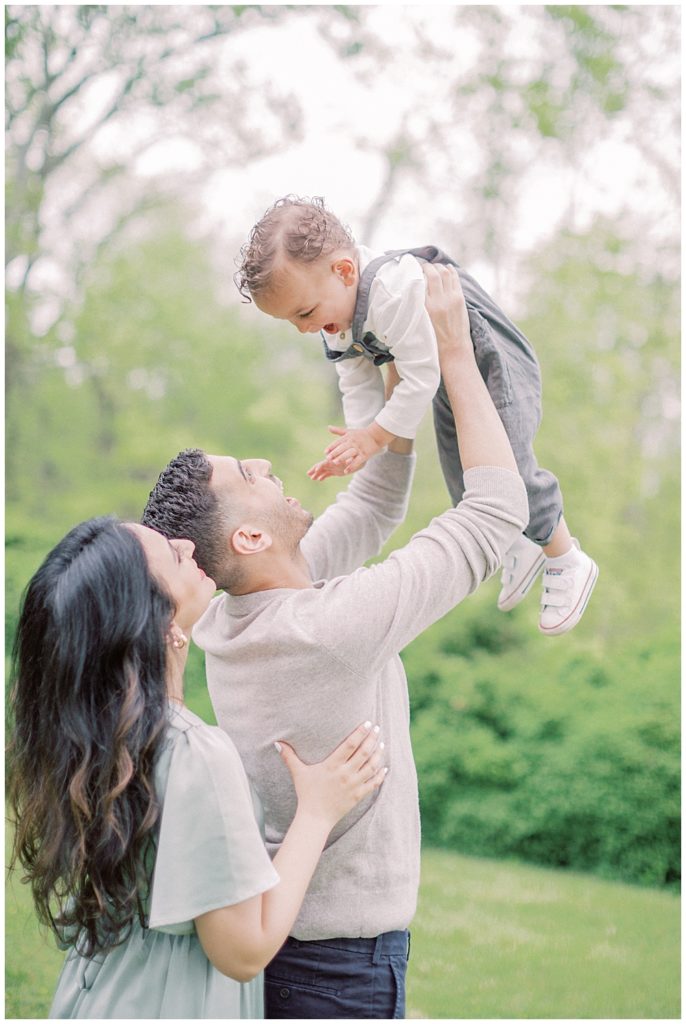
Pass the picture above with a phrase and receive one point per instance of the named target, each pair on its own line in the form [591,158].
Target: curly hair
[88,707]
[183,504]
[301,229]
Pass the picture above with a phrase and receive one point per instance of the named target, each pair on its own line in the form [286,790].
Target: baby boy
[301,264]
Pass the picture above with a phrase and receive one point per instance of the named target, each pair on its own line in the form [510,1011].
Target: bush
[564,759]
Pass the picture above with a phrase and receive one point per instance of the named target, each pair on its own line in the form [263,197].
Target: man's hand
[446,306]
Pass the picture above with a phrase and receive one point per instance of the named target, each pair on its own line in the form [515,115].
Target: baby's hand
[323,470]
[353,448]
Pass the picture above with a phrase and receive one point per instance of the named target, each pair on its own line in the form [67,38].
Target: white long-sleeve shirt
[398,318]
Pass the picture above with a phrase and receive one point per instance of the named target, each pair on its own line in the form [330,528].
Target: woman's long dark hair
[89,706]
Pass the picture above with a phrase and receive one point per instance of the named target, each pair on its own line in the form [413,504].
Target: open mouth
[330,329]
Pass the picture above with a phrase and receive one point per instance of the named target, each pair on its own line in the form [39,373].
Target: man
[304,643]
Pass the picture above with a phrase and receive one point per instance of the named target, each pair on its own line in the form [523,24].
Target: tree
[142,74]
[502,94]
[92,91]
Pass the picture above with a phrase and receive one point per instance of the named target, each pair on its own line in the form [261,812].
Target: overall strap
[363,344]
[430,253]
[363,289]
[367,344]
[369,347]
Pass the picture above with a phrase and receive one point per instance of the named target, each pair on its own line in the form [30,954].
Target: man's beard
[290,524]
[305,522]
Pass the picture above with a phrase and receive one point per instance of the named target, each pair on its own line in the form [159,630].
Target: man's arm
[482,440]
[362,518]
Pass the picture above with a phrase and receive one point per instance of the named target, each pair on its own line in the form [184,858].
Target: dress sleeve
[210,852]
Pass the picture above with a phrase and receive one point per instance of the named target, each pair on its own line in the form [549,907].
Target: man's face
[255,493]
[313,296]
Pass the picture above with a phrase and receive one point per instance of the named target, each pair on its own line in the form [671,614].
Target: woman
[134,819]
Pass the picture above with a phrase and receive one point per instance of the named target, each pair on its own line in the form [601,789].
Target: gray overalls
[510,369]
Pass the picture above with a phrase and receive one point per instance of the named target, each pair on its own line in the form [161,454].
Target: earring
[179,640]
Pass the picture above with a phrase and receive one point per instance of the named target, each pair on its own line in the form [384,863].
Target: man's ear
[250,540]
[345,268]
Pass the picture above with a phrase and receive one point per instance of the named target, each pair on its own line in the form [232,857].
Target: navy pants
[359,979]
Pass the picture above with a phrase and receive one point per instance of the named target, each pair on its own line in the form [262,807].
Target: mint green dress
[210,854]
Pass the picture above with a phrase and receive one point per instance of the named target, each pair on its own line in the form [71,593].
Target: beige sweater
[309,665]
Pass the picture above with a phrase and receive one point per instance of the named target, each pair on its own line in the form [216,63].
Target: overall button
[284,993]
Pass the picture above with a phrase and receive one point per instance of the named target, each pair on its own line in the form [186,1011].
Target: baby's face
[314,296]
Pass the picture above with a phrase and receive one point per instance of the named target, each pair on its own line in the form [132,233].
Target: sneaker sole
[524,585]
[579,609]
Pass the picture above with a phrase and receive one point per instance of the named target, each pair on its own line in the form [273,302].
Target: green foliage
[525,751]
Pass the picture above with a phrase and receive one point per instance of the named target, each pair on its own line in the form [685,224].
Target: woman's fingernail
[381,745]
[277,745]
[377,728]
[367,725]
[385,771]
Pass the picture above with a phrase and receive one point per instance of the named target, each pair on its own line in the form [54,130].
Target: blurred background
[538,145]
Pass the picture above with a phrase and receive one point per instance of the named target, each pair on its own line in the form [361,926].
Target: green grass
[491,939]
[500,939]
[32,961]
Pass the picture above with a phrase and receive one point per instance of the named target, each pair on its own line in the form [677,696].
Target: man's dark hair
[182,504]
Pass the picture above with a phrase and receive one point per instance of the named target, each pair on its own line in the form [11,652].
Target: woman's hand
[446,306]
[242,938]
[329,789]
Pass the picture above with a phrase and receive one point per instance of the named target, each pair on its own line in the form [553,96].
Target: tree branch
[54,162]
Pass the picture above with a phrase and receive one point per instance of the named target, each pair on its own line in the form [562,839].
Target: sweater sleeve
[362,518]
[375,612]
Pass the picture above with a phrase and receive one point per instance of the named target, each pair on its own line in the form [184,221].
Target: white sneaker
[568,582]
[521,566]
